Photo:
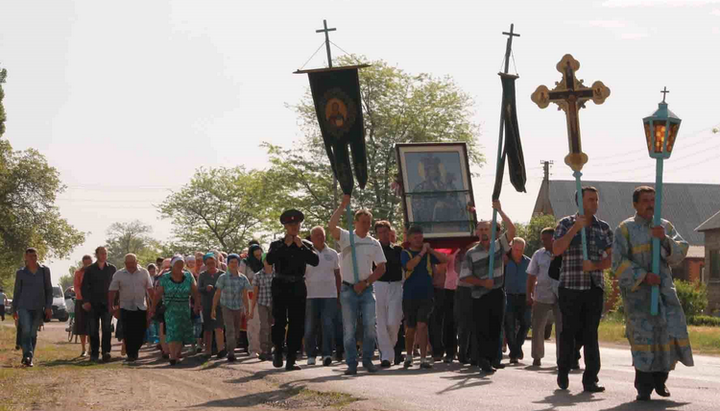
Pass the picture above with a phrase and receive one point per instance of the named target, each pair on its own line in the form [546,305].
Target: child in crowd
[262,302]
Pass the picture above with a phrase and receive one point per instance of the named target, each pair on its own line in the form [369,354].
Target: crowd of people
[374,294]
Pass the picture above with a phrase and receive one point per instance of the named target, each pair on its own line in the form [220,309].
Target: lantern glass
[648,135]
[659,137]
[674,127]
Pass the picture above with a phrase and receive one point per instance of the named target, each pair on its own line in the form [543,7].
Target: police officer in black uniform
[289,256]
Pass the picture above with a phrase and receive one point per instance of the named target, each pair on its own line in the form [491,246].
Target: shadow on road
[565,399]
[280,398]
[648,405]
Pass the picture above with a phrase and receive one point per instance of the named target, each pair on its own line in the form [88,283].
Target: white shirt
[320,280]
[132,288]
[546,288]
[367,250]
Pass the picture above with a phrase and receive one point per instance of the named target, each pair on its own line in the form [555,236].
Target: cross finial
[664,93]
[508,49]
[326,30]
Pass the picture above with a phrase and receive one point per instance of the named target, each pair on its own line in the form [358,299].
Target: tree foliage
[531,231]
[133,237]
[28,215]
[3,117]
[398,107]
[66,281]
[220,208]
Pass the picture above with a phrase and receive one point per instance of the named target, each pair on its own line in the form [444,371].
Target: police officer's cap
[291,216]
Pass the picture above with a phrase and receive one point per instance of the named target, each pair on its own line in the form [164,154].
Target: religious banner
[513,146]
[336,93]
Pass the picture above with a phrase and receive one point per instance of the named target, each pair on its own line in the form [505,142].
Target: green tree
[66,281]
[220,208]
[28,215]
[3,117]
[133,237]
[398,107]
[531,231]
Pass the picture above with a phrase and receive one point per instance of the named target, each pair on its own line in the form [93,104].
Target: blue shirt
[418,283]
[516,276]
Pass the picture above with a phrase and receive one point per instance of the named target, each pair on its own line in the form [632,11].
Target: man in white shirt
[134,285]
[542,295]
[356,293]
[323,286]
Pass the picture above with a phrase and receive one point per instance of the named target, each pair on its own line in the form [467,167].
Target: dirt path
[62,381]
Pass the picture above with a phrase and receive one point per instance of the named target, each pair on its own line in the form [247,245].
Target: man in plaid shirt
[581,287]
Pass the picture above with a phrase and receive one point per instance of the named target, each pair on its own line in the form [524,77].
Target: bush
[693,297]
[704,320]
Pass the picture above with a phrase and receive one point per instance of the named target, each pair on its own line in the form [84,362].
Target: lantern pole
[657,221]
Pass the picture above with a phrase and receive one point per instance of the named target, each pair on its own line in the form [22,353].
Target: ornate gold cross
[570,95]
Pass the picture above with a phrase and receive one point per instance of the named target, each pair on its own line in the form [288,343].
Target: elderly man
[132,285]
[388,294]
[323,288]
[541,294]
[517,316]
[290,256]
[659,341]
[32,301]
[488,294]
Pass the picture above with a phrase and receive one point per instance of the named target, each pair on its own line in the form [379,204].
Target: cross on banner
[326,30]
[570,94]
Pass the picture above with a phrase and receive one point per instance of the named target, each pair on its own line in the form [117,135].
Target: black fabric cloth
[393,267]
[417,311]
[581,311]
[646,382]
[291,260]
[289,299]
[443,334]
[466,335]
[80,325]
[96,283]
[134,324]
[206,299]
[516,323]
[338,106]
[488,314]
[513,147]
[99,318]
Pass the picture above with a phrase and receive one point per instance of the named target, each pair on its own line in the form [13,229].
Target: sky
[127,99]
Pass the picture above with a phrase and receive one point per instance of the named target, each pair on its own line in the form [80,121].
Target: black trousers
[288,310]
[442,324]
[134,324]
[488,313]
[646,382]
[97,316]
[581,311]
[517,323]
[466,334]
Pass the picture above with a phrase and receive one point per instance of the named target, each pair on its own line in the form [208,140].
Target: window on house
[715,264]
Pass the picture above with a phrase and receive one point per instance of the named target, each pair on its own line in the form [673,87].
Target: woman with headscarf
[193,265]
[175,290]
[251,265]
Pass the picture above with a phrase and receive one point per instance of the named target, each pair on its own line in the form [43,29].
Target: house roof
[685,205]
[711,223]
[696,251]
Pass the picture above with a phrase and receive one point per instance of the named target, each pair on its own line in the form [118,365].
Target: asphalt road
[520,387]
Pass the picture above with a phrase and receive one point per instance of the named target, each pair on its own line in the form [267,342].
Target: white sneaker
[311,361]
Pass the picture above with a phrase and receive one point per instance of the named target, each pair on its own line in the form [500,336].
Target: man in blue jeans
[323,288]
[357,296]
[517,312]
[32,300]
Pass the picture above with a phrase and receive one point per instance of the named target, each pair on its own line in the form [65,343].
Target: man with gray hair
[323,287]
[517,316]
[133,286]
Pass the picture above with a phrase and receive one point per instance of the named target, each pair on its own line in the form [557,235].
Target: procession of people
[301,289]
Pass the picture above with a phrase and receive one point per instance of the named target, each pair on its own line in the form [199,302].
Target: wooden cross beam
[570,94]
[326,30]
[508,49]
[664,93]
